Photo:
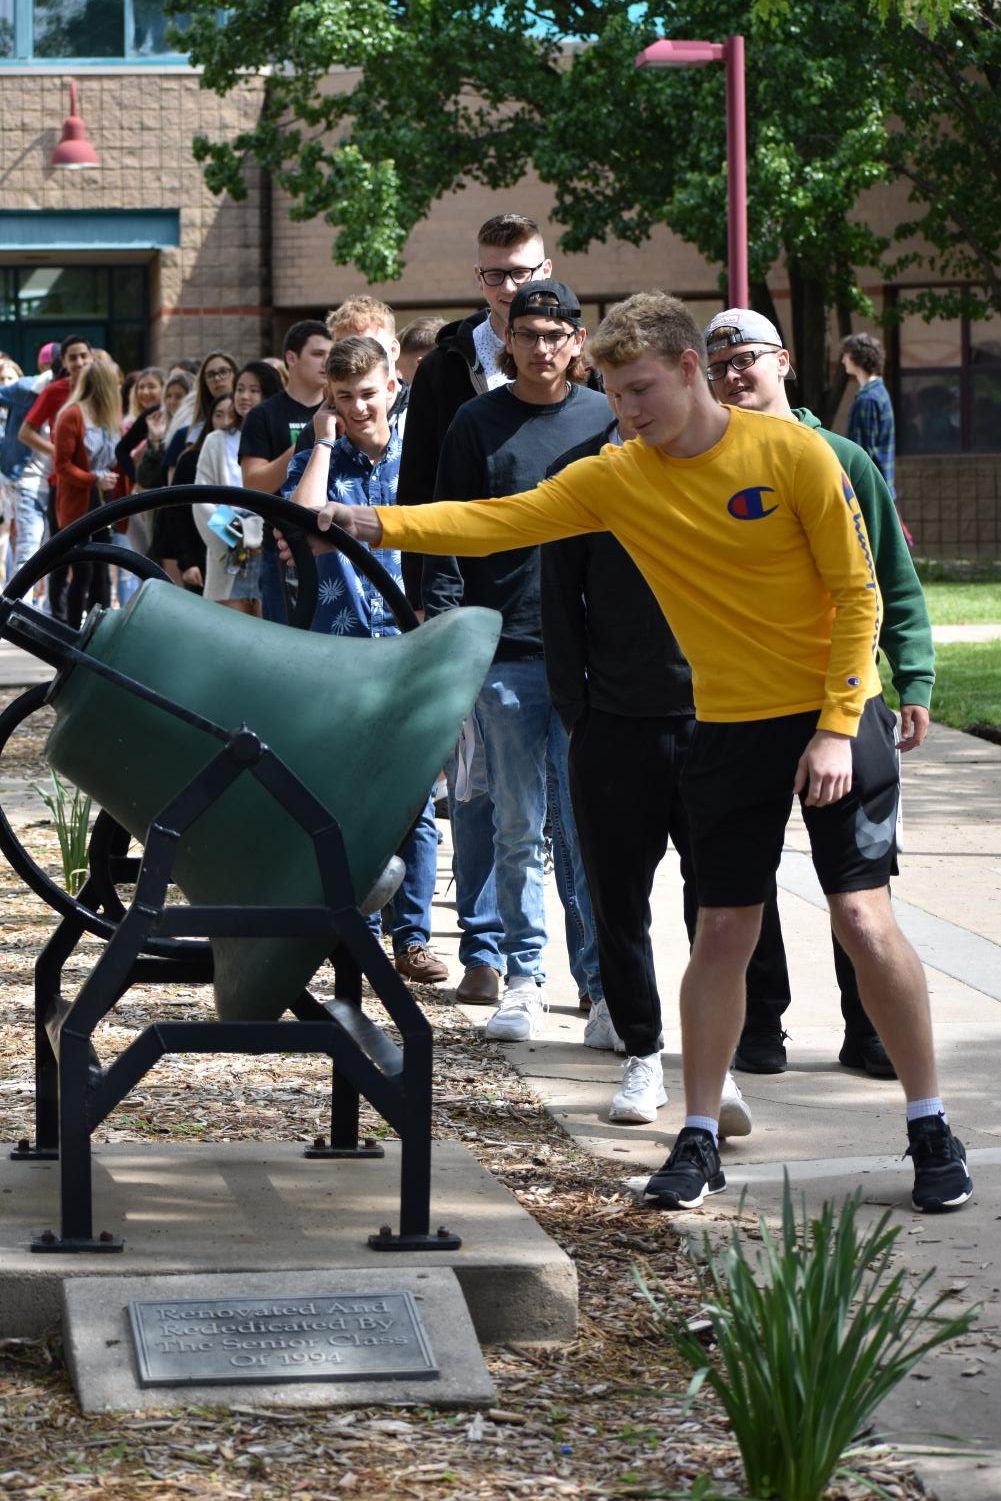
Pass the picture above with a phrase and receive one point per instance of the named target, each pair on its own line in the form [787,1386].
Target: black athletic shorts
[737,788]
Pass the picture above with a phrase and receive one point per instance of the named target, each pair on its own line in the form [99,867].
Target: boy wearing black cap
[501,442]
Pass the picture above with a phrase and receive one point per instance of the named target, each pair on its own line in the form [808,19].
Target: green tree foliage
[816,140]
[447,93]
[478,92]
[948,148]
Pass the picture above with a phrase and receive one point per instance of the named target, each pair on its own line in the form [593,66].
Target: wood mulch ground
[603,1417]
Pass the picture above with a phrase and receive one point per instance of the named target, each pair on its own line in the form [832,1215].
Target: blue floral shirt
[349,605]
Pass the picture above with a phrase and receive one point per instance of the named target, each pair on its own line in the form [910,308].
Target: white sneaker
[642,1092]
[599,1032]
[519,1015]
[734,1112]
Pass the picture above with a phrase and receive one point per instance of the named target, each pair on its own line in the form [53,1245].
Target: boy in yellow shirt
[750,536]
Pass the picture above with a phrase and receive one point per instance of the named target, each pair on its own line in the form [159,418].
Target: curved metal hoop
[73,544]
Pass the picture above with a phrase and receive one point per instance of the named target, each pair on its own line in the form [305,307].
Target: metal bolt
[385,1232]
[370,1142]
[24,1145]
[444,1233]
[105,1237]
[48,1237]
[319,1143]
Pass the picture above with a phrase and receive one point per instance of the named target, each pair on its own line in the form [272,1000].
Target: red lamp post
[677,54]
[74,150]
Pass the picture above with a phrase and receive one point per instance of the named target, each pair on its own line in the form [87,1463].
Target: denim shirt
[348,604]
[18,398]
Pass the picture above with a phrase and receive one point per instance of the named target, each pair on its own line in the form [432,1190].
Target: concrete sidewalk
[836,1130]
[19,669]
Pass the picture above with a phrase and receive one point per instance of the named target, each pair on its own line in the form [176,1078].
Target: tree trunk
[809,302]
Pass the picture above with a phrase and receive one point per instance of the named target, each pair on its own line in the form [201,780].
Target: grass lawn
[967,685]
[964,604]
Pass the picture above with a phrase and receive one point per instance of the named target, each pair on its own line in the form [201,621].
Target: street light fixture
[678,54]
[74,150]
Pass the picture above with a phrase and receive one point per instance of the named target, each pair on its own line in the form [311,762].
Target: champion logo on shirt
[846,488]
[747,505]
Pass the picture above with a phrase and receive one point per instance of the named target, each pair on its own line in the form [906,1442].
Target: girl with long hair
[84,438]
[216,376]
[233,574]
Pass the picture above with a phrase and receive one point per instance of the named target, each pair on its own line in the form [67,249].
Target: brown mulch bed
[603,1417]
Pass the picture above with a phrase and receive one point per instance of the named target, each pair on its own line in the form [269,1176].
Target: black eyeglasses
[495,276]
[218,372]
[528,340]
[737,362]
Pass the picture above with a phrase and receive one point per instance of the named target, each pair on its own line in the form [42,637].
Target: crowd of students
[670,505]
[80,431]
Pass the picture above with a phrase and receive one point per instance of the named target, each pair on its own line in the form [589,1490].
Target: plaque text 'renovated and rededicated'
[340,1337]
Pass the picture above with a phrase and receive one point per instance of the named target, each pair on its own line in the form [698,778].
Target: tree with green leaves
[948,148]
[478,93]
[816,140]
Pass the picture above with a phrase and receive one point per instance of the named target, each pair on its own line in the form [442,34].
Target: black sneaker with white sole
[761,1052]
[690,1173]
[941,1181]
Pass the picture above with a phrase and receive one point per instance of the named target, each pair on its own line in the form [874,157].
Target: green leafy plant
[70,810]
[810,1335]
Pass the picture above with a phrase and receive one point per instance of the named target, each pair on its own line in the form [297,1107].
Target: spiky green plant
[810,1337]
[71,817]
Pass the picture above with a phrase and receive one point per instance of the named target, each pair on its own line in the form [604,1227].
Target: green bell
[365,725]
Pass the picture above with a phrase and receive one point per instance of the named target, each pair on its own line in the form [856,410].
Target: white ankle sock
[918,1108]
[704,1123]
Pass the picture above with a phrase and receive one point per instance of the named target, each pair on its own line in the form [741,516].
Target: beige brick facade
[212,289]
[952,504]
[243,272]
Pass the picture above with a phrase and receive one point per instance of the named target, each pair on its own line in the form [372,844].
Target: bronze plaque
[330,1337]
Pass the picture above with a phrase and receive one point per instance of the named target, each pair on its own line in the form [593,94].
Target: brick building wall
[952,504]
[214,288]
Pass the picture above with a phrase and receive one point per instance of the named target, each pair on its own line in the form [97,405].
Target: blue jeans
[512,714]
[411,906]
[568,867]
[128,583]
[31,519]
[473,866]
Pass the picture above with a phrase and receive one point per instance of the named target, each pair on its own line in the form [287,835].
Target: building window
[109,305]
[948,384]
[86,30]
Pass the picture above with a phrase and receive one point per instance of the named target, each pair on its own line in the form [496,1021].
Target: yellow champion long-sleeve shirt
[755,550]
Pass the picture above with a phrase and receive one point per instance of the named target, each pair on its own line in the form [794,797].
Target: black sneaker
[692,1171]
[761,1053]
[941,1181]
[868,1054]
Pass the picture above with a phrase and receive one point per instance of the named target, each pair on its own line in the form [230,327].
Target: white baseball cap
[739,325]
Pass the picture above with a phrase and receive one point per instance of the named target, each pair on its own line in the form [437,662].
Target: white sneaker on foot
[734,1112]
[519,1015]
[642,1092]
[599,1032]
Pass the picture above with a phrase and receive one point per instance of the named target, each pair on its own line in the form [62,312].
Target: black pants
[624,784]
[89,583]
[59,577]
[764,1015]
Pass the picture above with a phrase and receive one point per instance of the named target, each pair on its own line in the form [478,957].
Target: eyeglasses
[737,362]
[528,340]
[218,373]
[496,276]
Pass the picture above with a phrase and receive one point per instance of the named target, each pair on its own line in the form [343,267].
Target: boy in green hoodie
[749,368]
